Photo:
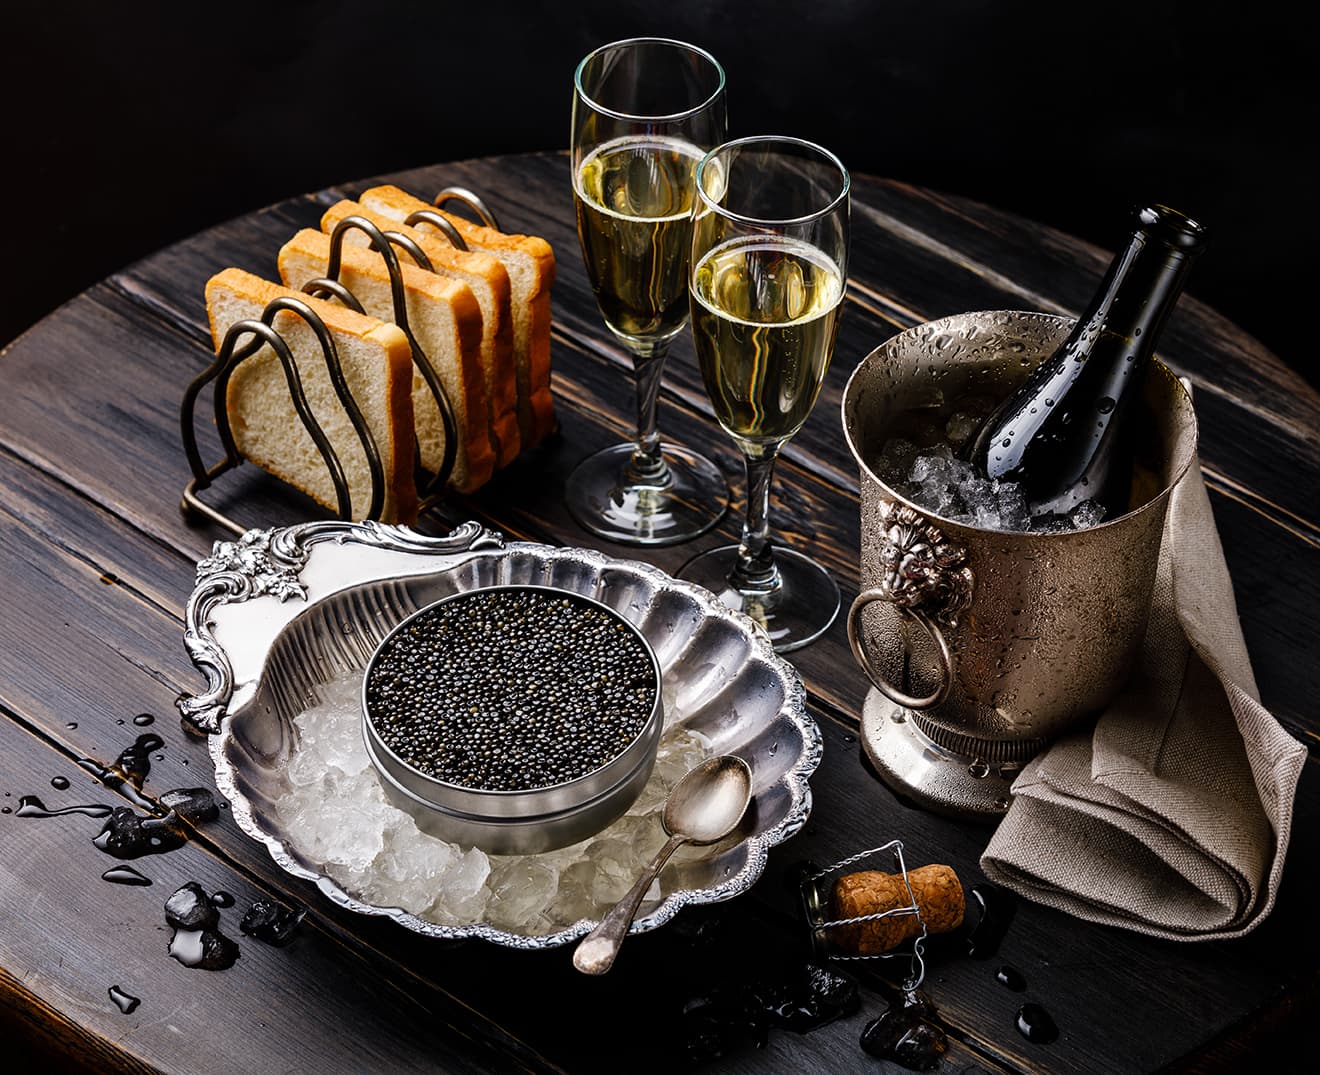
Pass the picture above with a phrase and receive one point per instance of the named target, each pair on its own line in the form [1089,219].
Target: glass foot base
[798,612]
[691,500]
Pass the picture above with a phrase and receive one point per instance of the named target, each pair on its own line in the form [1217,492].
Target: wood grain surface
[98,563]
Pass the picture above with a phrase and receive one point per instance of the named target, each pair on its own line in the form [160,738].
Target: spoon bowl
[704,807]
[707,804]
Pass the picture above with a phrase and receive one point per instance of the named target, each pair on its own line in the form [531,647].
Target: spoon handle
[595,954]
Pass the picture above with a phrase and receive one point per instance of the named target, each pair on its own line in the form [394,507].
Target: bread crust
[535,402]
[386,197]
[477,460]
[498,360]
[400,500]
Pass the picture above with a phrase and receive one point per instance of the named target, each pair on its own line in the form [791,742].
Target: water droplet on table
[1036,1024]
[125,875]
[997,910]
[123,1001]
[1011,978]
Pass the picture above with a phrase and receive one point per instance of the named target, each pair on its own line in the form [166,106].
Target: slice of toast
[489,281]
[445,321]
[530,262]
[377,365]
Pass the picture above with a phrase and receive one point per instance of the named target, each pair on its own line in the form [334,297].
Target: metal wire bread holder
[247,337]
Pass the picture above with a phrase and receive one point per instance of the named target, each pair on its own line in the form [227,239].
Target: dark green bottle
[1065,436]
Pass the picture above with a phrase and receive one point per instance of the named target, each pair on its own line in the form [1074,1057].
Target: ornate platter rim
[269,564]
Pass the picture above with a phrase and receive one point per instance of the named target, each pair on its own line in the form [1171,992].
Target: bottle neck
[1140,288]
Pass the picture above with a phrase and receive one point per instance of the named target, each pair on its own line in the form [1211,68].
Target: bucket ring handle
[907,701]
[924,574]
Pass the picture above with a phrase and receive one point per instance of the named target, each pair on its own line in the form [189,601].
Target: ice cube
[961,427]
[1013,511]
[573,901]
[895,460]
[305,767]
[191,908]
[978,495]
[521,888]
[1087,514]
[615,870]
[270,922]
[931,470]
[194,805]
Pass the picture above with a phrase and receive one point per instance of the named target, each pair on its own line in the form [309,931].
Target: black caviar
[511,689]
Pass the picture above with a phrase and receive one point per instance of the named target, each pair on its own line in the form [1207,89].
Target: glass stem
[755,571]
[647,466]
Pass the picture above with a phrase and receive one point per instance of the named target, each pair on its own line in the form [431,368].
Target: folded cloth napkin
[1171,815]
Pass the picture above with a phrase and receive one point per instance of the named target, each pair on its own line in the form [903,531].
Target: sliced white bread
[446,322]
[486,275]
[377,365]
[530,262]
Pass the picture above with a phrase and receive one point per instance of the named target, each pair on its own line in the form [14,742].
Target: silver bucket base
[932,776]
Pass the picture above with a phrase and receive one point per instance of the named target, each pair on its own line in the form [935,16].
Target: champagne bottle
[1066,435]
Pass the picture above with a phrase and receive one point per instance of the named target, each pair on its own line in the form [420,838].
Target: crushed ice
[933,477]
[336,814]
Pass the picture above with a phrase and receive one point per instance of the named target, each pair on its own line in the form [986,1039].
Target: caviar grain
[511,689]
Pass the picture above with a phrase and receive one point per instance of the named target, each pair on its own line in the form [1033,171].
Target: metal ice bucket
[982,646]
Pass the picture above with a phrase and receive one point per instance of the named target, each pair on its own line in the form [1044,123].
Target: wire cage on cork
[881,934]
[247,337]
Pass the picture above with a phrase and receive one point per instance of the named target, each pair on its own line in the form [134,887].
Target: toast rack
[245,338]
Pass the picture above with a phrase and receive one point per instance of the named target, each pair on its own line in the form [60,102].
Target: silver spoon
[704,807]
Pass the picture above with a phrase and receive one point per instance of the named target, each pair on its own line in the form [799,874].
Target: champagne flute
[644,113]
[769,263]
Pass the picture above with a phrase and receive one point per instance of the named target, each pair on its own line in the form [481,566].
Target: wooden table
[97,564]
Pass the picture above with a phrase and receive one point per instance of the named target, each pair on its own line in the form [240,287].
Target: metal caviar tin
[460,690]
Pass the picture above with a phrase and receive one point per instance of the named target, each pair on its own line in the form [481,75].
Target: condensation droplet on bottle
[1049,403]
[1008,443]
[1104,405]
[1136,332]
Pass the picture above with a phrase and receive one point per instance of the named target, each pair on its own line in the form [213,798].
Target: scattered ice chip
[270,922]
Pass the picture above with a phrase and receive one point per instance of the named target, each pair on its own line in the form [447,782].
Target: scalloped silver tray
[279,612]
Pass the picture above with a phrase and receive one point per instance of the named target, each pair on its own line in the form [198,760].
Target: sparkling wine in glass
[769,264]
[645,111]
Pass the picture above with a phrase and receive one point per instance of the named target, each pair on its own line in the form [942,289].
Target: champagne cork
[939,896]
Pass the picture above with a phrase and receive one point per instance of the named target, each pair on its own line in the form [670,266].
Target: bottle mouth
[1171,227]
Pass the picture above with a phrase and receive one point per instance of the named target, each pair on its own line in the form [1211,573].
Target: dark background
[128,126]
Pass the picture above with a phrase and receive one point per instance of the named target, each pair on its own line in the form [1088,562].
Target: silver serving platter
[279,612]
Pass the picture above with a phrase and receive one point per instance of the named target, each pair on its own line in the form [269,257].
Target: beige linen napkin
[1171,815]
